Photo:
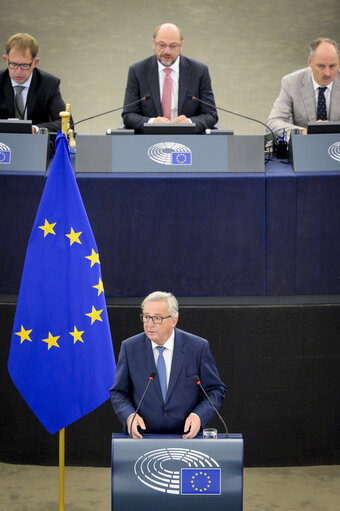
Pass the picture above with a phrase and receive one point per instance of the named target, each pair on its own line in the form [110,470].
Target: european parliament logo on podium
[162,470]
[170,153]
[5,153]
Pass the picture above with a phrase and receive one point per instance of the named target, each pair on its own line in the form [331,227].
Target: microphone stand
[144,98]
[151,377]
[193,98]
[198,382]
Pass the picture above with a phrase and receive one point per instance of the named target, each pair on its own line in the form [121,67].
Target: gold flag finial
[71,139]
[65,121]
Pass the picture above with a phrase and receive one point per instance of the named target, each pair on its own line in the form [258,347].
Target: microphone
[193,98]
[151,378]
[198,382]
[144,98]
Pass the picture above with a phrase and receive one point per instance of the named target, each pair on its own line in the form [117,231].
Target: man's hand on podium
[191,426]
[137,422]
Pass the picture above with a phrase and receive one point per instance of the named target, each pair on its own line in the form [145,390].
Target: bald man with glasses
[26,92]
[168,78]
[174,402]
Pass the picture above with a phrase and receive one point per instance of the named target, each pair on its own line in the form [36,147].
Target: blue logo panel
[181,158]
[5,157]
[205,481]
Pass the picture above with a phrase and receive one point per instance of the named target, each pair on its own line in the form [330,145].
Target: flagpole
[65,119]
[61,468]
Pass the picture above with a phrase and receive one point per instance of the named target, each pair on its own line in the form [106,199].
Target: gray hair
[314,44]
[160,296]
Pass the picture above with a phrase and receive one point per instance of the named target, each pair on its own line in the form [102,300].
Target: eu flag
[201,481]
[61,357]
[5,156]
[181,158]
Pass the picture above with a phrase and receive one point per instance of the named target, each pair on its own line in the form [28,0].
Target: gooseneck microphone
[198,382]
[193,98]
[151,378]
[144,98]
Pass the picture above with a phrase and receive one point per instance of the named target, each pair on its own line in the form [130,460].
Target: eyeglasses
[14,65]
[172,47]
[158,320]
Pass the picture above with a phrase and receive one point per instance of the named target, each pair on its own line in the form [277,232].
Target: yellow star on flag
[99,286]
[74,237]
[47,228]
[94,258]
[94,315]
[51,341]
[24,335]
[76,335]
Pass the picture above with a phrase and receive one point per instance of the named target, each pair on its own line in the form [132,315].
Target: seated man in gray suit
[310,94]
[168,78]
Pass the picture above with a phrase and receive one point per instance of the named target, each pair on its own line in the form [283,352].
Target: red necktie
[166,97]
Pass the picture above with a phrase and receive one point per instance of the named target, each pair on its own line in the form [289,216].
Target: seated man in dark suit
[168,78]
[174,402]
[25,91]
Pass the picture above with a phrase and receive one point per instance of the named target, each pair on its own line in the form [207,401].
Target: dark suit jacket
[191,357]
[194,79]
[44,101]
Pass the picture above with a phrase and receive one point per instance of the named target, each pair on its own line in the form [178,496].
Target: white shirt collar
[25,84]
[174,66]
[316,85]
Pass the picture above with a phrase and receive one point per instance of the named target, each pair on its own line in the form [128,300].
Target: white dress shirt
[167,354]
[327,94]
[174,89]
[24,92]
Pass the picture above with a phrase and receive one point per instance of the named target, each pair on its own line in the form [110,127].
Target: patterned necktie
[321,114]
[161,370]
[18,102]
[166,96]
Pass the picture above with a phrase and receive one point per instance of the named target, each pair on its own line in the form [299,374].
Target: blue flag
[61,356]
[204,481]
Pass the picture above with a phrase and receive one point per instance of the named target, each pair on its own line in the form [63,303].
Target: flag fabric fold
[61,356]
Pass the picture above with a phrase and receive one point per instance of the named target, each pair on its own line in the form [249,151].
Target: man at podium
[310,94]
[27,92]
[167,79]
[173,402]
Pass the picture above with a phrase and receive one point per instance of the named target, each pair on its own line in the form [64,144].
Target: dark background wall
[280,364]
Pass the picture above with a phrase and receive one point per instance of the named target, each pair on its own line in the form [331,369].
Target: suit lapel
[307,93]
[153,81]
[177,361]
[183,83]
[32,96]
[151,366]
[148,356]
[9,96]
[335,100]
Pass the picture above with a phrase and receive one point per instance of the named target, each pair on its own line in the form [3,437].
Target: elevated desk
[168,472]
[198,234]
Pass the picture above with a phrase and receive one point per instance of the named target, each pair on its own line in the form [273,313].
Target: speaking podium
[169,153]
[315,153]
[167,473]
[22,152]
